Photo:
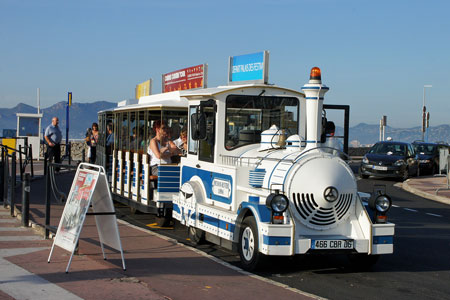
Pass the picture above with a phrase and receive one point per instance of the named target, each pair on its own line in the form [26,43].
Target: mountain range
[82,115]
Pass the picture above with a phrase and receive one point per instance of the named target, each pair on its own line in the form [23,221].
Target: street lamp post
[424,112]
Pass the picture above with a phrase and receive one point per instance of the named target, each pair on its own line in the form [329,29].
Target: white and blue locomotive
[257,178]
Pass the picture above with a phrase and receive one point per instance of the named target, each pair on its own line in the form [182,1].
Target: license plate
[331,244]
[381,168]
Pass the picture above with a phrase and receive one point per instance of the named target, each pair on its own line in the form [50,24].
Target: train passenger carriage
[256,178]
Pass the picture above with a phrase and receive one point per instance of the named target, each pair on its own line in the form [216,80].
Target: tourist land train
[256,177]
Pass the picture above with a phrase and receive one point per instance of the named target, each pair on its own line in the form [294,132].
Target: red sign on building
[185,79]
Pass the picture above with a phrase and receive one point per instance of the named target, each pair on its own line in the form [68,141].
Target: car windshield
[425,149]
[389,149]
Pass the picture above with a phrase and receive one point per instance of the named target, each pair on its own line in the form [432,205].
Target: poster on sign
[185,79]
[90,186]
[75,210]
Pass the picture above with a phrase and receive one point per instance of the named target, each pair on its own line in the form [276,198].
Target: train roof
[179,99]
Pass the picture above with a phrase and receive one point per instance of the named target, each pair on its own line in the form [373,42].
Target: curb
[423,194]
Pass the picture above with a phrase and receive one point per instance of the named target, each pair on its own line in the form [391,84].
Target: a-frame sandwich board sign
[90,186]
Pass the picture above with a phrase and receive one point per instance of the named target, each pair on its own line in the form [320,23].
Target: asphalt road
[418,269]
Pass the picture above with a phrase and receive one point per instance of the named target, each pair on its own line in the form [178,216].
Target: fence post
[13,183]
[5,179]
[2,173]
[47,198]
[70,152]
[20,163]
[26,200]
[31,159]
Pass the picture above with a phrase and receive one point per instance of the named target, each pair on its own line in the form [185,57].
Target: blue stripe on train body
[207,178]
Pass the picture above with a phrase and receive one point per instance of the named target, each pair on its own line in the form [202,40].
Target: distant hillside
[367,134]
[82,115]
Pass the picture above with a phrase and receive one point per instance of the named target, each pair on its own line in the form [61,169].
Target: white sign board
[89,186]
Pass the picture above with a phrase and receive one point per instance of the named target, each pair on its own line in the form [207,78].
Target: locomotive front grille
[312,213]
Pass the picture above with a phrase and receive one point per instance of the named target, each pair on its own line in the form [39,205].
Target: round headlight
[277,202]
[383,203]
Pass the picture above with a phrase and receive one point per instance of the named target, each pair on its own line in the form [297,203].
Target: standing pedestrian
[92,140]
[53,137]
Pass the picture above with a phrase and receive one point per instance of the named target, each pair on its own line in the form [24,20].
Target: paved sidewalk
[157,267]
[427,186]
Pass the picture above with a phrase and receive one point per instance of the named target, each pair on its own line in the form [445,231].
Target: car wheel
[433,170]
[405,174]
[196,236]
[248,247]
[363,176]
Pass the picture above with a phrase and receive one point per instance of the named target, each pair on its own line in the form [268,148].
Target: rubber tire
[362,262]
[163,221]
[433,170]
[405,175]
[196,236]
[362,175]
[248,246]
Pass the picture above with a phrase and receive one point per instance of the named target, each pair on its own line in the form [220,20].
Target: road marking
[21,284]
[409,209]
[434,215]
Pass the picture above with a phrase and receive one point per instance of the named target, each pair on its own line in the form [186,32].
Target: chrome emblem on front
[331,194]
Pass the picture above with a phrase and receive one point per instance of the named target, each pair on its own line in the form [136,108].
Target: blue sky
[375,56]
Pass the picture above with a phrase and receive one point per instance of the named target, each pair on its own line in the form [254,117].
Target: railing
[241,161]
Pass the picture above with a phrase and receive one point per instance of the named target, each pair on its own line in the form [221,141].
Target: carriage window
[142,132]
[124,138]
[248,116]
[133,131]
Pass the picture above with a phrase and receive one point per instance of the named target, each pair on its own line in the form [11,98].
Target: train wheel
[163,221]
[251,258]
[196,236]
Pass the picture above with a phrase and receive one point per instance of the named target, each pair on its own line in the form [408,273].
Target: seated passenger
[181,142]
[160,148]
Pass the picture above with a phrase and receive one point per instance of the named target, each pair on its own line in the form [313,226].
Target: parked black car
[428,156]
[390,159]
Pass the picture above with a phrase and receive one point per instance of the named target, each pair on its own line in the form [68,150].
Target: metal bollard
[47,199]
[26,200]
[13,183]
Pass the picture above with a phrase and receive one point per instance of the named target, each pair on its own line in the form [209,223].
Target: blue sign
[249,67]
